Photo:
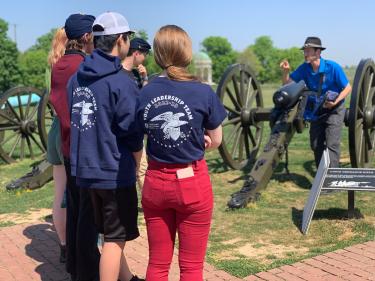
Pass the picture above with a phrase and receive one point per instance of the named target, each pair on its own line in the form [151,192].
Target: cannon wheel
[18,124]
[361,116]
[45,118]
[240,93]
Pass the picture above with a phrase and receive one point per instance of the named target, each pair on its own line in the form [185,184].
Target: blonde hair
[79,44]
[173,52]
[58,46]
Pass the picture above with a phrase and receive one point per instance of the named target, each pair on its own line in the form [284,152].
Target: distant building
[203,67]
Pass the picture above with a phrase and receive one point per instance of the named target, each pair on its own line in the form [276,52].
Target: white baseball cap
[112,23]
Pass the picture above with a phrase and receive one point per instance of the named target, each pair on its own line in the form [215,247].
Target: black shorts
[116,213]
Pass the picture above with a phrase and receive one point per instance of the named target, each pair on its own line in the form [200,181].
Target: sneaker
[62,253]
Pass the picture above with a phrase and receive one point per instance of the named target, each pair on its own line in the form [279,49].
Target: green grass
[264,235]
[20,201]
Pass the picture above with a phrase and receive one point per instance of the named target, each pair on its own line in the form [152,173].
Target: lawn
[264,235]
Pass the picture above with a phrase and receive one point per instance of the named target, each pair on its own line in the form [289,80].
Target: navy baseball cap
[76,25]
[139,44]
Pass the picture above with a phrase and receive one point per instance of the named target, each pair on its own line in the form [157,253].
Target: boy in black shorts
[105,150]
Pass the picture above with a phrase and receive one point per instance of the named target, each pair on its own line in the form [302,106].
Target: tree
[221,53]
[293,55]
[248,57]
[270,58]
[33,62]
[142,34]
[33,65]
[9,70]
[267,55]
[44,41]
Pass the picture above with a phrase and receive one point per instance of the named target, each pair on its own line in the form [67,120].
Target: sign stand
[349,179]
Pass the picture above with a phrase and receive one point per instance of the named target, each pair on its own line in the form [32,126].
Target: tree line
[28,68]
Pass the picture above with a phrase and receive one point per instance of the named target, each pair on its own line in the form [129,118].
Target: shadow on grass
[217,165]
[300,180]
[329,214]
[309,167]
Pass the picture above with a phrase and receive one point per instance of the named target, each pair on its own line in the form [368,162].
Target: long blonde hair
[173,52]
[58,46]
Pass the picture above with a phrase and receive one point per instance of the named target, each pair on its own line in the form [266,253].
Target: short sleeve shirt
[334,78]
[174,115]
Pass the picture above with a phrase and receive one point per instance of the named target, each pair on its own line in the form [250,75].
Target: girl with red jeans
[181,117]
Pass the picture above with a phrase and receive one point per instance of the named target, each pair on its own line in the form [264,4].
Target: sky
[344,26]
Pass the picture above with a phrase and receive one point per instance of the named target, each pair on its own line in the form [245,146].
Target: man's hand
[329,104]
[284,65]
[142,70]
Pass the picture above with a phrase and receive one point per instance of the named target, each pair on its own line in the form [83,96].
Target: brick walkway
[30,252]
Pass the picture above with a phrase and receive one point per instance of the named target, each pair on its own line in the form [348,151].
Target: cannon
[241,95]
[25,116]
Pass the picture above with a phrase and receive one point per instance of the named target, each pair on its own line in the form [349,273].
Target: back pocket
[189,190]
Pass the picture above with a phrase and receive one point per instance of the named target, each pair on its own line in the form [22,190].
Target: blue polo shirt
[334,77]
[174,115]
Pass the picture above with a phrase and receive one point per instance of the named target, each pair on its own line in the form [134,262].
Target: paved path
[30,252]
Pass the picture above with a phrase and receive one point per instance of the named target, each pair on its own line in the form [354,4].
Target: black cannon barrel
[288,95]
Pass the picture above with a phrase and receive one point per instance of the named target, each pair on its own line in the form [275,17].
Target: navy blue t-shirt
[174,115]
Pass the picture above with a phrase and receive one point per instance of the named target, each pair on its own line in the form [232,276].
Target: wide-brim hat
[313,42]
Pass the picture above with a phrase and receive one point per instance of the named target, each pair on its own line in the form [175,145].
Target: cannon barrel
[288,95]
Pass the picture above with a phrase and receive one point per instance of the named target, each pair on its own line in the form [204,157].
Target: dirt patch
[279,251]
[232,241]
[30,216]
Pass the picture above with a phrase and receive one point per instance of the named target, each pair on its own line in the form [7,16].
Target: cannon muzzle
[288,95]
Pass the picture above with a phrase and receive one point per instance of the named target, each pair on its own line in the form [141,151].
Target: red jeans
[182,205]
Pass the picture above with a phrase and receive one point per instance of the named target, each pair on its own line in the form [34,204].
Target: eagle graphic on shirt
[85,112]
[172,124]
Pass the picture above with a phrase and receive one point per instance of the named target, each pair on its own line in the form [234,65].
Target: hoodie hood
[98,65]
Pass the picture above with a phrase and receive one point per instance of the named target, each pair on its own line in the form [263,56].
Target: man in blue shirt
[328,79]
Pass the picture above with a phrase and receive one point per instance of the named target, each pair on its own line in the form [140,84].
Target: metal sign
[350,179]
[347,179]
[310,205]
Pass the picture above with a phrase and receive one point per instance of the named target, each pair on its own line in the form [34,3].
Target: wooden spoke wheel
[361,119]
[45,118]
[240,93]
[19,134]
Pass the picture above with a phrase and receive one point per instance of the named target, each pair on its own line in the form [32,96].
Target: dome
[201,57]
